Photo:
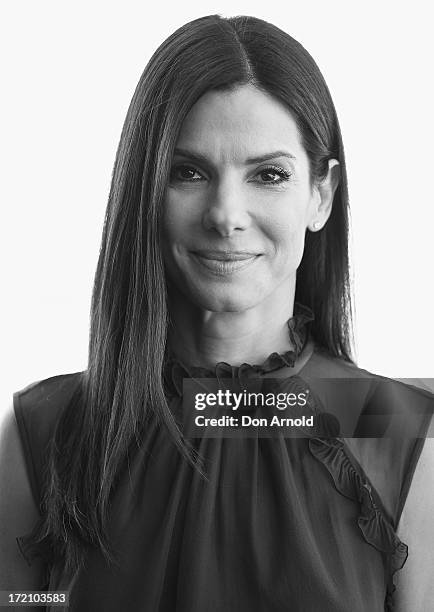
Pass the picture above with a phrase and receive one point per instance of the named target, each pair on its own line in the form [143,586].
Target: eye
[273,175]
[185,173]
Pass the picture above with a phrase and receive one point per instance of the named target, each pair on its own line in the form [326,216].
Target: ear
[325,191]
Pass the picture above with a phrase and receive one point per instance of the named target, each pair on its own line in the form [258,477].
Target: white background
[70,69]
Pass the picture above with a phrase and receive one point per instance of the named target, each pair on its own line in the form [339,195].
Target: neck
[204,337]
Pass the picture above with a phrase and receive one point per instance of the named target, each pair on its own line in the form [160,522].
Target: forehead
[243,122]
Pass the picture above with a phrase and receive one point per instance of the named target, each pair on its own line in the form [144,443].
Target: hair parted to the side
[123,383]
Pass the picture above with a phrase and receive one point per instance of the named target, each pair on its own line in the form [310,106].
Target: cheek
[170,215]
[179,229]
[178,221]
[288,238]
[170,235]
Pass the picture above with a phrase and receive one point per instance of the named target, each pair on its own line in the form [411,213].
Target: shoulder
[37,408]
[370,405]
[46,393]
[39,404]
[419,505]
[11,453]
[324,364]
[18,510]
[379,394]
[385,422]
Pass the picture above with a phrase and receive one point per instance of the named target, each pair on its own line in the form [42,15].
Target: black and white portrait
[218,376]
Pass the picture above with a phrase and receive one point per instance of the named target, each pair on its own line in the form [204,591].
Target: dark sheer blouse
[294,524]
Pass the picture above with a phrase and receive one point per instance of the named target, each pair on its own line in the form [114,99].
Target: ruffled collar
[176,370]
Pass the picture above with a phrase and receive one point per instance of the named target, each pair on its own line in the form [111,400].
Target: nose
[226,210]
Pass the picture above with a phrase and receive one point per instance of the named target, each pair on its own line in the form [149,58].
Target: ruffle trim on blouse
[176,370]
[375,527]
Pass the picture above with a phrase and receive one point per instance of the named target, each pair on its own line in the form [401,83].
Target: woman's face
[238,203]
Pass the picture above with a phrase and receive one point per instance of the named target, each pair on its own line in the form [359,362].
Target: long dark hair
[123,384]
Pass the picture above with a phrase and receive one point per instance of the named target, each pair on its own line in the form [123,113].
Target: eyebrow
[198,157]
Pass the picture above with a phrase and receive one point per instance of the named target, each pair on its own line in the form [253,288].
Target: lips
[225,255]
[222,263]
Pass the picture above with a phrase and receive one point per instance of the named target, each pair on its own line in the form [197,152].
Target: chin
[226,301]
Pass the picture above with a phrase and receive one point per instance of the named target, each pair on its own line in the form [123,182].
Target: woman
[224,255]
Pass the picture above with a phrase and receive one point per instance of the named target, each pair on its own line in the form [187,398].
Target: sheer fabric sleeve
[37,409]
[399,417]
